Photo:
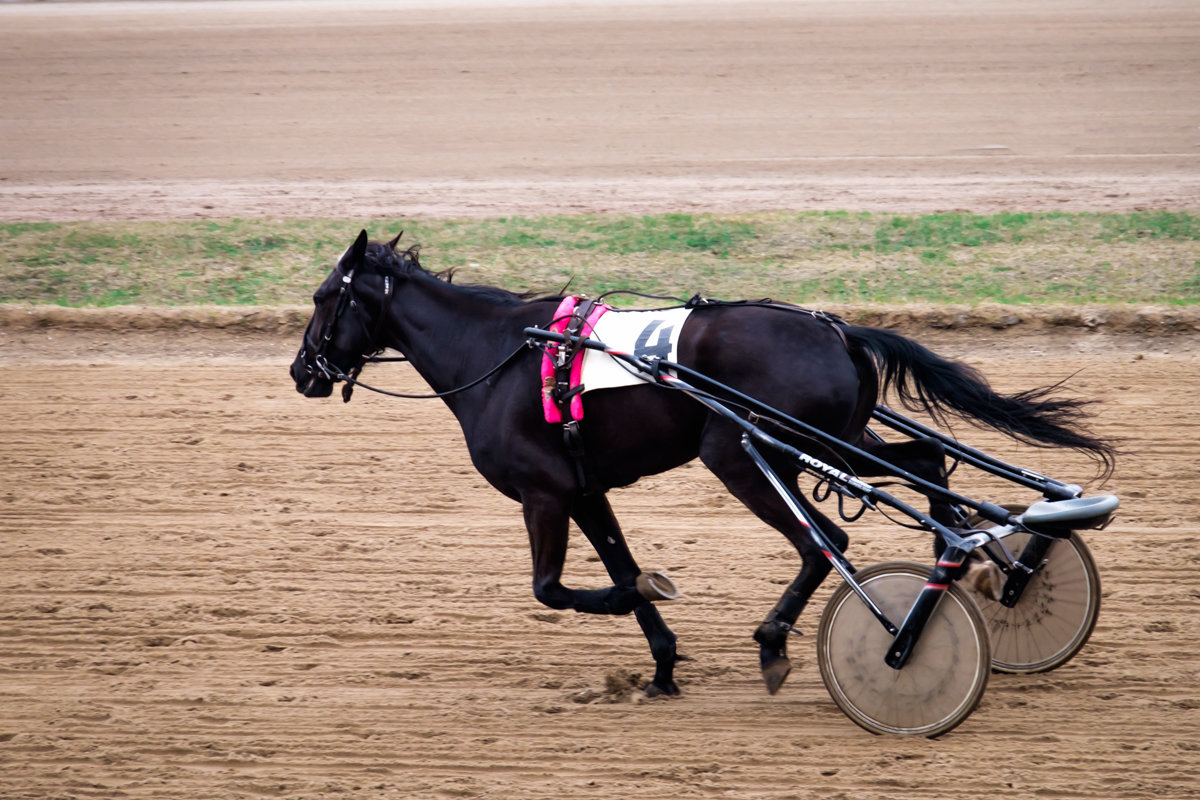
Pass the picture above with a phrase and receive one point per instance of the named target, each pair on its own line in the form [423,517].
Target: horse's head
[350,315]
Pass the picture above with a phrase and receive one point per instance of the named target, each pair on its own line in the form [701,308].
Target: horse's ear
[355,254]
[359,249]
[392,244]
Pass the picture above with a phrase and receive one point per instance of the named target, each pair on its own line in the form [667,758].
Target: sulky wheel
[1055,614]
[942,681]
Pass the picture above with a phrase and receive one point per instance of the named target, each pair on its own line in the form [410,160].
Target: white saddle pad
[641,333]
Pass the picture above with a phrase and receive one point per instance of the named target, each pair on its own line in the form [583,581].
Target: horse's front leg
[595,518]
[547,520]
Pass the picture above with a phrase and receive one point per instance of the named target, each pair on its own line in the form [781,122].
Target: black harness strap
[564,393]
[388,289]
[833,320]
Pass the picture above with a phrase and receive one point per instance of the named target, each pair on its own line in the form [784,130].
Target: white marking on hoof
[987,579]
[656,586]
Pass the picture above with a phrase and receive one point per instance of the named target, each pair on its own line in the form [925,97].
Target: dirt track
[211,588]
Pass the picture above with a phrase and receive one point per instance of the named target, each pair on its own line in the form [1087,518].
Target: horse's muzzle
[315,386]
[309,382]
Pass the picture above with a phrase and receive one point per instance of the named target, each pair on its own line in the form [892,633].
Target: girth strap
[564,393]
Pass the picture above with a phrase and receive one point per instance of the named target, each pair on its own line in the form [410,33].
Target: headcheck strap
[380,321]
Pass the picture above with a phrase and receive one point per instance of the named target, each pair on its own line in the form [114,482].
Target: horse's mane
[386,259]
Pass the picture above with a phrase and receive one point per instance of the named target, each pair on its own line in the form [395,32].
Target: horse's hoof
[656,586]
[775,673]
[669,690]
[987,579]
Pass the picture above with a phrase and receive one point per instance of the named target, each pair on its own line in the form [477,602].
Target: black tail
[925,381]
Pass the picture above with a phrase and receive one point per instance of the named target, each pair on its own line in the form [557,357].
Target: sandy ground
[369,109]
[212,588]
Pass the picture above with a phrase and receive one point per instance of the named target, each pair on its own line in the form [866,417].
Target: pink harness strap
[562,317]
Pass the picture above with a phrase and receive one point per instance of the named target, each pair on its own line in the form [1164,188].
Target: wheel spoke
[944,677]
[1054,616]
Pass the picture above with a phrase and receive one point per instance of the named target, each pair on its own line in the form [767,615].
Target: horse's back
[788,358]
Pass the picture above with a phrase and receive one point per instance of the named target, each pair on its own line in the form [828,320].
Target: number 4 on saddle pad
[642,333]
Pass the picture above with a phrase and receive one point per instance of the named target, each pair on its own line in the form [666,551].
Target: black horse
[823,372]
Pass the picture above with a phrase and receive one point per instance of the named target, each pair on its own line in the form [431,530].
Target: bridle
[329,371]
[346,300]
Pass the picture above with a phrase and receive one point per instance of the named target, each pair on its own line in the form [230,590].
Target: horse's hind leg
[723,455]
[595,518]
[924,458]
[772,634]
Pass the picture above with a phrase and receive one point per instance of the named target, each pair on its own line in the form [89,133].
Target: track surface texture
[213,588]
[219,109]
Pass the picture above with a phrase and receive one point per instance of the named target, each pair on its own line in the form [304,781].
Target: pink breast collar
[550,363]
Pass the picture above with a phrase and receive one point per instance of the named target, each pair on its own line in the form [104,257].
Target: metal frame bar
[1050,488]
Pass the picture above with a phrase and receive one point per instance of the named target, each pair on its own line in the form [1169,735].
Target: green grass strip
[805,257]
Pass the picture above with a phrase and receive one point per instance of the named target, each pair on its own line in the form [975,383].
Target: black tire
[942,681]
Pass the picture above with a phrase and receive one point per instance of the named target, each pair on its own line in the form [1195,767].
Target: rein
[323,364]
[346,301]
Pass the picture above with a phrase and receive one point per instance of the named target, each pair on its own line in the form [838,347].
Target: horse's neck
[450,335]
